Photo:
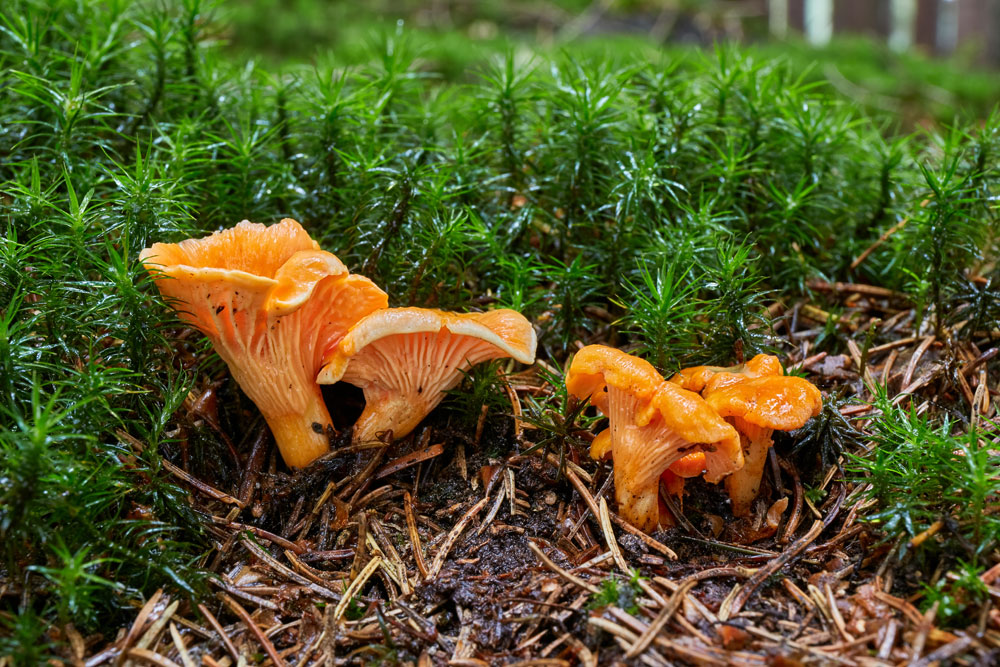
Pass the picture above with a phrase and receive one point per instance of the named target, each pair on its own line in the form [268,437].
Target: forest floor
[676,203]
[436,550]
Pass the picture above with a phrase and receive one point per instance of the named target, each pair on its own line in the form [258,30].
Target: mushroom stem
[399,414]
[744,484]
[302,436]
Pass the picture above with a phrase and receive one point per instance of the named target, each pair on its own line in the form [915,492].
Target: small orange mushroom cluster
[715,422]
[286,317]
[653,424]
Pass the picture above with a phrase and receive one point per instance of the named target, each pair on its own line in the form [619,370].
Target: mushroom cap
[691,465]
[763,365]
[245,273]
[506,330]
[248,248]
[406,358]
[272,303]
[298,278]
[697,378]
[783,403]
[597,367]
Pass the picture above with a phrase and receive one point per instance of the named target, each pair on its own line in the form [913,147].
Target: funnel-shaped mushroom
[406,358]
[653,424]
[272,303]
[756,407]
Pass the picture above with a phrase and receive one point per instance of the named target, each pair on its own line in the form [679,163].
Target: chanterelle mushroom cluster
[711,421]
[280,312]
[287,316]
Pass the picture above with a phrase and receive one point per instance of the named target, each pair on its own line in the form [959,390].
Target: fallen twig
[572,578]
[254,628]
[646,638]
[732,605]
[442,553]
[214,622]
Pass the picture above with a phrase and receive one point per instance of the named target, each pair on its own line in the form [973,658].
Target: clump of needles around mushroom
[687,208]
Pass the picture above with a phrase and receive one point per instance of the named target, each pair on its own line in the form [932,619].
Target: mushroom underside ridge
[420,363]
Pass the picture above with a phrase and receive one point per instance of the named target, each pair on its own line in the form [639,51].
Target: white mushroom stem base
[744,484]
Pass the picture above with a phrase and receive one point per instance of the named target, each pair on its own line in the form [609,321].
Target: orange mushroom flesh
[757,407]
[271,302]
[653,424]
[406,358]
[691,465]
[600,448]
[696,377]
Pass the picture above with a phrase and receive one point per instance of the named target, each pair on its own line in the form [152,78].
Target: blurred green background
[918,61]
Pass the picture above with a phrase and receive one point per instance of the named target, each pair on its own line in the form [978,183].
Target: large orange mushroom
[653,424]
[272,303]
[757,407]
[406,358]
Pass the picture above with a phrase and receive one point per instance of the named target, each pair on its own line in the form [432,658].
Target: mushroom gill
[406,358]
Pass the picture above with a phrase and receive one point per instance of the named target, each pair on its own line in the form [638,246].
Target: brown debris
[384,552]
